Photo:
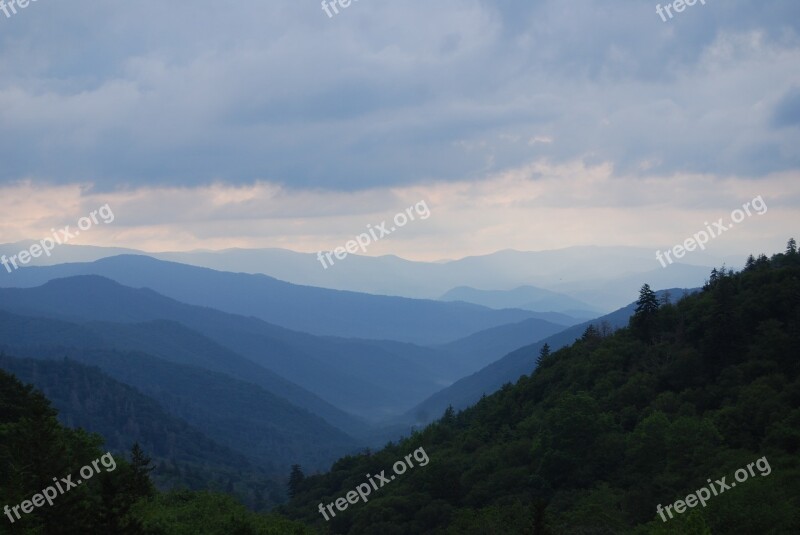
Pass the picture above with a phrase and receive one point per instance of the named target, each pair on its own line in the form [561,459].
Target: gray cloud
[390,93]
[787,111]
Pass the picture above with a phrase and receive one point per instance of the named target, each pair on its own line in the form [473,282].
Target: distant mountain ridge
[370,378]
[524,297]
[308,309]
[468,390]
[483,348]
[236,414]
[611,274]
[167,340]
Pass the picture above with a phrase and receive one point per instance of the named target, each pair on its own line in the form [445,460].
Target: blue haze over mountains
[604,278]
[268,369]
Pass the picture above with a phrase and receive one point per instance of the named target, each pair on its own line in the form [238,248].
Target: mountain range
[235,362]
[606,278]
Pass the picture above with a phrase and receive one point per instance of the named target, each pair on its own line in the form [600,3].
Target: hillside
[348,374]
[612,427]
[267,430]
[119,498]
[167,340]
[183,457]
[483,348]
[508,368]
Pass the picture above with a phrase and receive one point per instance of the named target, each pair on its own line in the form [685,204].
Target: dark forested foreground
[37,452]
[600,435]
[608,429]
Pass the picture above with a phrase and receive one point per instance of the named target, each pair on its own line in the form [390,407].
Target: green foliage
[544,354]
[35,448]
[601,433]
[605,430]
[296,478]
[183,457]
[791,247]
[643,322]
[141,466]
[190,513]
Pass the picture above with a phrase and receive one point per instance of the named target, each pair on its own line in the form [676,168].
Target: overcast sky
[522,124]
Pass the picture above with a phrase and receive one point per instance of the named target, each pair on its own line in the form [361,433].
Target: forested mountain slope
[346,373]
[183,457]
[38,455]
[468,390]
[610,428]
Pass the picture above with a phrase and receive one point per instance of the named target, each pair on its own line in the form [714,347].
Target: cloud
[391,94]
[539,206]
[787,111]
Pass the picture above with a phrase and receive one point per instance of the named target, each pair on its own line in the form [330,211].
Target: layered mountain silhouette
[303,308]
[522,361]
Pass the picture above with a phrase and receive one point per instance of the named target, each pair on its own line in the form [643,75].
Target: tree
[666,298]
[647,304]
[644,316]
[791,247]
[141,465]
[449,416]
[712,279]
[591,333]
[296,479]
[606,329]
[544,352]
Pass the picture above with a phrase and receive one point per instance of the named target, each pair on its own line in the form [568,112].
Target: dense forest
[606,430]
[182,456]
[35,449]
[597,437]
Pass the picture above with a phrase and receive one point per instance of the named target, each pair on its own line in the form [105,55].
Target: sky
[521,124]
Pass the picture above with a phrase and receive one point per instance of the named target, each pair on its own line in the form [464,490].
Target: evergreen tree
[296,478]
[712,279]
[544,352]
[644,316]
[647,304]
[591,333]
[140,484]
[791,247]
[449,416]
